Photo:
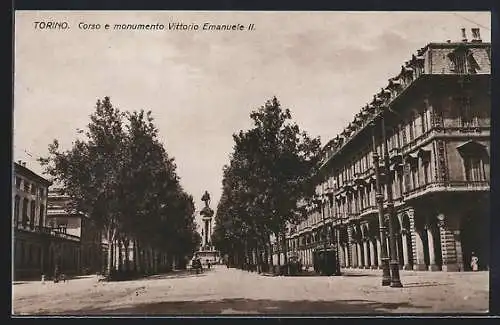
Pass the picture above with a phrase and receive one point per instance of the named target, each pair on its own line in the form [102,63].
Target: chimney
[24,164]
[19,162]
[476,37]
[464,35]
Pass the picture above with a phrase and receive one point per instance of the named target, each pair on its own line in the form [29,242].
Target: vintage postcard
[204,163]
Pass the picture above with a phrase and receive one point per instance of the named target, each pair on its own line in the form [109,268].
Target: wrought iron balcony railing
[448,185]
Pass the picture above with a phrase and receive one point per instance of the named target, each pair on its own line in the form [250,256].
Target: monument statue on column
[207,251]
[206,214]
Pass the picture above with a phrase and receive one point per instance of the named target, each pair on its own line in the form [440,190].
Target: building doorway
[474,236]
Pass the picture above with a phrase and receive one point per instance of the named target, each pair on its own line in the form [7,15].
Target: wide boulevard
[221,291]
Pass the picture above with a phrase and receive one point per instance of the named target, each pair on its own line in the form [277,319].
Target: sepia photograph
[251,163]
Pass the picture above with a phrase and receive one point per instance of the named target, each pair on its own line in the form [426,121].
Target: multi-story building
[64,218]
[436,113]
[37,248]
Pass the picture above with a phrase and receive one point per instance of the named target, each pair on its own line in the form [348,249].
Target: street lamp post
[394,265]
[386,276]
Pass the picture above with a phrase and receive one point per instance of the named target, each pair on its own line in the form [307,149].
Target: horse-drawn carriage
[196,265]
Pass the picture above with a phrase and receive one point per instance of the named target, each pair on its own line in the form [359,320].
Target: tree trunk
[120,254]
[150,260]
[134,255]
[269,251]
[126,243]
[110,238]
[285,257]
[142,258]
[137,255]
[278,249]
[246,263]
[155,261]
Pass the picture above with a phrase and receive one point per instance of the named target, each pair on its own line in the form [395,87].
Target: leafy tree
[91,171]
[122,177]
[271,170]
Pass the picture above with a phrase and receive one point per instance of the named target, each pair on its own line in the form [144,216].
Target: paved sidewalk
[232,291]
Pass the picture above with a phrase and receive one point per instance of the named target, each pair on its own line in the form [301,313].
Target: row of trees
[271,170]
[120,175]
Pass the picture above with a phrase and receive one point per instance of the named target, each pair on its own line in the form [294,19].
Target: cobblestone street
[232,291]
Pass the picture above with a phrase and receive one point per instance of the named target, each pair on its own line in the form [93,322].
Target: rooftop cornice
[386,97]
[18,168]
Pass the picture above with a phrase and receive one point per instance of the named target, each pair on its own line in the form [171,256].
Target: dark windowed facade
[474,169]
[439,168]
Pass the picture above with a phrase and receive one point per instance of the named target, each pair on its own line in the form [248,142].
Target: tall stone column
[448,246]
[365,251]
[458,249]
[359,254]
[346,256]
[432,251]
[418,257]
[417,243]
[205,239]
[372,254]
[404,242]
[339,247]
[353,259]
[310,256]
[379,254]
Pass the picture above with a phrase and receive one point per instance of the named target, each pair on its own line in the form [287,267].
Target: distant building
[438,133]
[61,216]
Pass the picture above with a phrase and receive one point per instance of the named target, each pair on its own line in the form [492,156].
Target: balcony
[48,231]
[368,210]
[65,236]
[394,152]
[353,215]
[450,186]
[366,173]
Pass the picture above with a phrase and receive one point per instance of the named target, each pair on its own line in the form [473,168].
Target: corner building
[436,113]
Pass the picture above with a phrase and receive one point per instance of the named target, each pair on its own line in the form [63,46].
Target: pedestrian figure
[200,266]
[56,274]
[208,264]
[474,262]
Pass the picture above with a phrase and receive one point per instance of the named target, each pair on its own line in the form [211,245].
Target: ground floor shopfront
[436,233]
[38,251]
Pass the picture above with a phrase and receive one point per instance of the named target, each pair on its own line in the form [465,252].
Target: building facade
[37,248]
[436,117]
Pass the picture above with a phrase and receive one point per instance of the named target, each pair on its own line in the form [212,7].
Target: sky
[202,85]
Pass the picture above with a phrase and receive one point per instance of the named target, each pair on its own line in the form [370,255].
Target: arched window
[476,160]
[474,169]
